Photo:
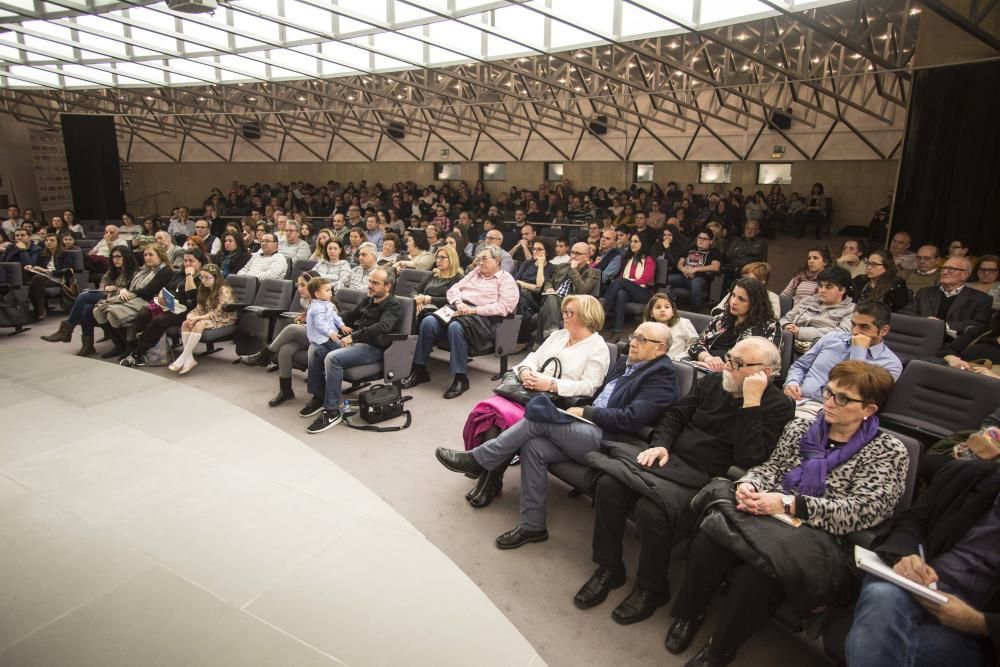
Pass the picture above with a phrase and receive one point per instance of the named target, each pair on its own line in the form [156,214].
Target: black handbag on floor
[378,404]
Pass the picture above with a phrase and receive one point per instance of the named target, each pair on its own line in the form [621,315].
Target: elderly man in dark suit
[637,391]
[951,300]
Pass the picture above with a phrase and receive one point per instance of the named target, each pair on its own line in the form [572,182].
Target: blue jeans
[698,287]
[434,331]
[620,292]
[82,311]
[332,367]
[891,629]
[316,356]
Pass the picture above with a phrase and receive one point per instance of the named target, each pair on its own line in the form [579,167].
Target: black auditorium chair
[931,401]
[244,292]
[912,337]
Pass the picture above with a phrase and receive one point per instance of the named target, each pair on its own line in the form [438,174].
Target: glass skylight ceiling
[139,43]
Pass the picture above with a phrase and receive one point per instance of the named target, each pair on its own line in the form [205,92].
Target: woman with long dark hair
[121,268]
[748,314]
[54,261]
[880,282]
[233,256]
[633,285]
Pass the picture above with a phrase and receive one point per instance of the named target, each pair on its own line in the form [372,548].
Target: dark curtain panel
[94,168]
[949,178]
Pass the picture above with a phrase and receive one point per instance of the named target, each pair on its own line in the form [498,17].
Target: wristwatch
[788,502]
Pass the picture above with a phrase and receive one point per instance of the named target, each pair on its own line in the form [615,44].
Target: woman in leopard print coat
[837,475]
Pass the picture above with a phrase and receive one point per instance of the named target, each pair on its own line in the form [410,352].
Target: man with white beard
[729,418]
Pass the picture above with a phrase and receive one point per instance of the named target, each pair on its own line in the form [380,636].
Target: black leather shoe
[457,461]
[518,537]
[680,634]
[707,658]
[638,606]
[492,485]
[459,386]
[480,481]
[595,591]
[418,375]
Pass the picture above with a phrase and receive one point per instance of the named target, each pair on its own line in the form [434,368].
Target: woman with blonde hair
[322,236]
[214,293]
[447,271]
[583,359]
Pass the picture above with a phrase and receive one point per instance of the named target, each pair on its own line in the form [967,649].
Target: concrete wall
[857,186]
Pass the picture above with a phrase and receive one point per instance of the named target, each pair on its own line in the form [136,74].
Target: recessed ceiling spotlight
[350,97]
[302,98]
[914,11]
[815,60]
[742,36]
[149,98]
[673,45]
[855,56]
[251,99]
[201,99]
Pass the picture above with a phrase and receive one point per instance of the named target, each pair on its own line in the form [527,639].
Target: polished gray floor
[146,522]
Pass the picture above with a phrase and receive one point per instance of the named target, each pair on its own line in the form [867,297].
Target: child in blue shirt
[322,323]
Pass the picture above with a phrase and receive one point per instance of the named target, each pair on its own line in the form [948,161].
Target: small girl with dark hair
[661,308]
[214,293]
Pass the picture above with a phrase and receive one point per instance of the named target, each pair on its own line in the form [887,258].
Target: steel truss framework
[833,66]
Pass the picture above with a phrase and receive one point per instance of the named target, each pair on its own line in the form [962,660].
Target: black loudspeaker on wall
[599,125]
[251,129]
[780,120]
[395,130]
[94,168]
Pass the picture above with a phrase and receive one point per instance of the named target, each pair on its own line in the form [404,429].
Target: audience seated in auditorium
[661,308]
[357,277]
[988,278]
[323,331]
[634,285]
[755,271]
[960,306]
[118,311]
[949,539]
[234,255]
[748,314]
[583,361]
[293,246]
[904,258]
[268,263]
[608,259]
[926,273]
[880,282]
[530,276]
[697,268]
[213,244]
[838,475]
[128,230]
[804,282]
[815,316]
[174,252]
[869,325]
[96,260]
[479,301]
[639,388]
[56,264]
[182,226]
[959,248]
[446,273]
[522,249]
[388,254]
[117,277]
[418,251]
[852,253]
[364,337]
[214,294]
[568,278]
[152,323]
[729,418]
[287,342]
[812,212]
[743,250]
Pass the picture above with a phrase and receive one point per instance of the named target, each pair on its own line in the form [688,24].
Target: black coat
[969,309]
[960,494]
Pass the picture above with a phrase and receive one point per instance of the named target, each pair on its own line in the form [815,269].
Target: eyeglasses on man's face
[642,340]
[840,399]
[954,269]
[736,364]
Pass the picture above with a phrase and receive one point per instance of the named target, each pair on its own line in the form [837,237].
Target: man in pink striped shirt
[480,300]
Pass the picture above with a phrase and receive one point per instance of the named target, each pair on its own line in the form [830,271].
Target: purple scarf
[809,477]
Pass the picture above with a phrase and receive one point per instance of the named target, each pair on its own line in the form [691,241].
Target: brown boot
[87,348]
[63,335]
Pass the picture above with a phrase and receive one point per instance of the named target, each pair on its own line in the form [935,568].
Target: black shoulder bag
[378,404]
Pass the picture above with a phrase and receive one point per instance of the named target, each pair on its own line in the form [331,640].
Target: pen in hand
[923,561]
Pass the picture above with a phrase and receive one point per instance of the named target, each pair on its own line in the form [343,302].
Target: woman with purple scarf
[833,476]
